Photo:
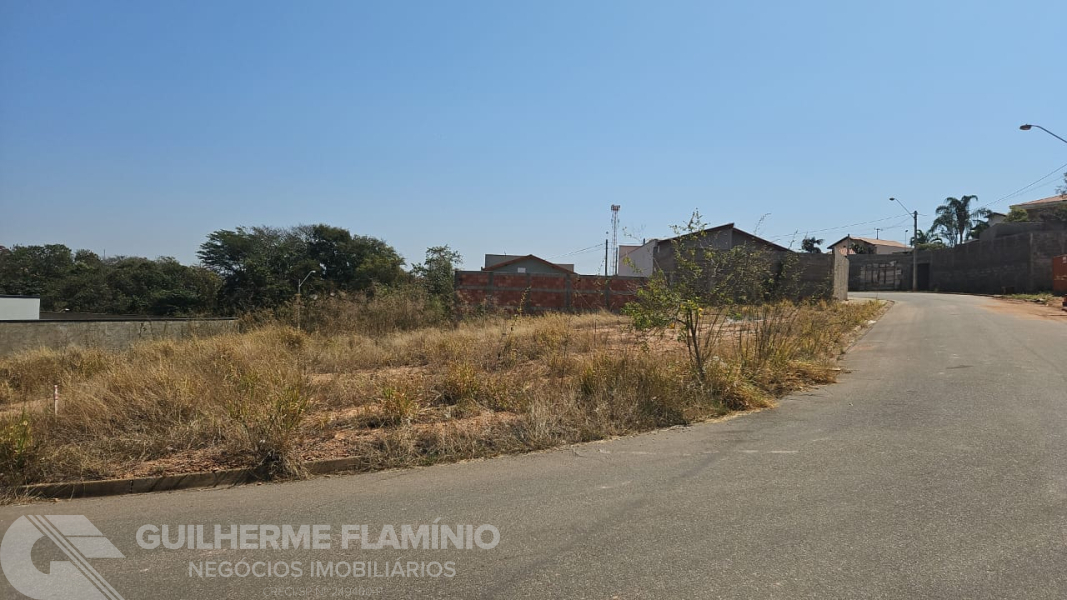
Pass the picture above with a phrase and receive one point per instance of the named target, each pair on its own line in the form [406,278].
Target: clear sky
[502,126]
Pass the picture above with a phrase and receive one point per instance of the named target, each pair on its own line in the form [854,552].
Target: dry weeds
[272,397]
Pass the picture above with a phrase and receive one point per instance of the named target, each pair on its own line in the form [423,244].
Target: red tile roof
[1049,200]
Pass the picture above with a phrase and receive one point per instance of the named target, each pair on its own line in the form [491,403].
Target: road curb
[202,480]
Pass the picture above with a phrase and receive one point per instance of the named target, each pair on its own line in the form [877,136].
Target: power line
[836,228]
[595,246]
[1026,188]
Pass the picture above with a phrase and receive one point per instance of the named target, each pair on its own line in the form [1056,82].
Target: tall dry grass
[272,397]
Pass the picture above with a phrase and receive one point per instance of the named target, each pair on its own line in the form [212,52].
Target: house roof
[527,257]
[728,226]
[873,242]
[1043,201]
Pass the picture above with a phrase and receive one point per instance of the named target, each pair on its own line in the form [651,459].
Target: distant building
[653,255]
[20,308]
[851,244]
[996,218]
[636,261]
[1035,209]
[509,263]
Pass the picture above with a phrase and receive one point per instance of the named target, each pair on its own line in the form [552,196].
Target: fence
[108,333]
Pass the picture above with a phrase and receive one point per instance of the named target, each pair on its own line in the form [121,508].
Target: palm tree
[955,218]
[811,245]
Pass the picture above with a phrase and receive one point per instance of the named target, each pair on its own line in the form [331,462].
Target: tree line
[241,269]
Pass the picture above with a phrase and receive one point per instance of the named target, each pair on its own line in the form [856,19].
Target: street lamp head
[1025,127]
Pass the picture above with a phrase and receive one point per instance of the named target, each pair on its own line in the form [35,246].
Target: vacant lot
[273,397]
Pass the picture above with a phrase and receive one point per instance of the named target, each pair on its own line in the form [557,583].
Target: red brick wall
[542,292]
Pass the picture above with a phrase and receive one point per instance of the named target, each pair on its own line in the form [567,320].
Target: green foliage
[260,266]
[1017,215]
[811,245]
[16,448]
[923,240]
[83,282]
[437,273]
[705,287]
[955,218]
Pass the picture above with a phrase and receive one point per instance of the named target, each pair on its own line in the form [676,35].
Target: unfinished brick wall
[541,292]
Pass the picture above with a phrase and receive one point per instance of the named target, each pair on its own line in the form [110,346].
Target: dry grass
[272,397]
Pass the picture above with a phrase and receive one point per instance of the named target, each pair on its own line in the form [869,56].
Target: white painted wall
[636,261]
[19,308]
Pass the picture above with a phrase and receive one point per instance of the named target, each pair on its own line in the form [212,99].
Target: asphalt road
[936,468]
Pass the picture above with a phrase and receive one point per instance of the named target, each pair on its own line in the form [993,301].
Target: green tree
[1017,215]
[35,271]
[695,298]
[811,245]
[955,218]
[260,266]
[437,273]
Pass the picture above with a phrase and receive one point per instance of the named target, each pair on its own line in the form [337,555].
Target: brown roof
[750,236]
[527,257]
[1049,200]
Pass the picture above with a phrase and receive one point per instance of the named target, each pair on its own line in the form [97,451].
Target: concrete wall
[541,292]
[819,275]
[840,281]
[16,336]
[19,308]
[1020,263]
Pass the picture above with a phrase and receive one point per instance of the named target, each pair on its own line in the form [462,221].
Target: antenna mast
[615,235]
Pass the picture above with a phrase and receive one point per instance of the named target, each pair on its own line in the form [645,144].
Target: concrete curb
[167,483]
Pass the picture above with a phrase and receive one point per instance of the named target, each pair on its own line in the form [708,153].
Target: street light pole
[298,302]
[1028,126]
[914,250]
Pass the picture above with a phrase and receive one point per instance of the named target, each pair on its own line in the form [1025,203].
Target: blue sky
[138,128]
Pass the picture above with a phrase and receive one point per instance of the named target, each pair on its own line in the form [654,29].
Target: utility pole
[915,255]
[605,257]
[615,235]
[914,250]
[877,233]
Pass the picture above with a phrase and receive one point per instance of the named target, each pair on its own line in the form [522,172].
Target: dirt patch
[1028,309]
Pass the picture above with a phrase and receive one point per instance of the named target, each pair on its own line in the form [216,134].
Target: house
[653,255]
[1036,209]
[851,244]
[636,261]
[509,263]
[996,218]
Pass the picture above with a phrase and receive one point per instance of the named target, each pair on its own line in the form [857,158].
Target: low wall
[541,292]
[16,336]
[821,275]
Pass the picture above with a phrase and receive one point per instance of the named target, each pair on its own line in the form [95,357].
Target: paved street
[936,468]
